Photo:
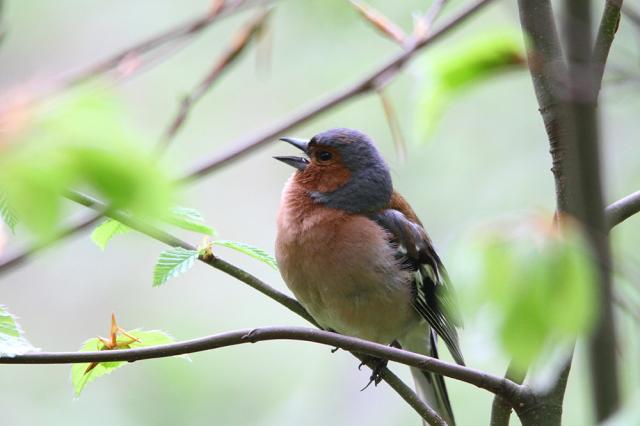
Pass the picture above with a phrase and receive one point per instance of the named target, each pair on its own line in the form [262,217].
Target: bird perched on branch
[356,256]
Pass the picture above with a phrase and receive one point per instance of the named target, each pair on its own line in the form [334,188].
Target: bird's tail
[430,387]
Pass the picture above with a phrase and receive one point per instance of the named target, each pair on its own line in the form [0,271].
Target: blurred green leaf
[80,377]
[12,340]
[80,140]
[189,219]
[8,215]
[107,230]
[250,250]
[464,66]
[537,282]
[172,263]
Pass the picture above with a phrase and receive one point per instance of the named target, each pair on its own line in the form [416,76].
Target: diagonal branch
[606,33]
[391,379]
[493,384]
[220,9]
[622,209]
[11,261]
[366,84]
[238,45]
[369,83]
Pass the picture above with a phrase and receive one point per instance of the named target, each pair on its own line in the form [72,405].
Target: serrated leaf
[189,219]
[79,375]
[106,231]
[172,263]
[12,340]
[8,215]
[250,250]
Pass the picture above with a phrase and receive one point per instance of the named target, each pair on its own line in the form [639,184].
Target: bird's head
[342,169]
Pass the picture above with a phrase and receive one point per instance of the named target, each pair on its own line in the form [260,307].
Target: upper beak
[299,163]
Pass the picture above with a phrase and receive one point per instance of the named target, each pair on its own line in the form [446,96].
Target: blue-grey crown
[369,188]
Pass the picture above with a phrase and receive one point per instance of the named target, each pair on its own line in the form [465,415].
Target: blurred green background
[488,159]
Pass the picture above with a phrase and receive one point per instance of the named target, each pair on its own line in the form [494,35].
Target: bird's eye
[324,156]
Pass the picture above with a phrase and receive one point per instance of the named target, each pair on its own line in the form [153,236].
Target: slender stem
[12,260]
[622,209]
[391,379]
[606,33]
[493,384]
[585,199]
[502,407]
[238,45]
[189,28]
[365,85]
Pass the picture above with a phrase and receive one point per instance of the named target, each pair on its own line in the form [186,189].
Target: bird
[355,255]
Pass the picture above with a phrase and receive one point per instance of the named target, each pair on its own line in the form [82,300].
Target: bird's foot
[377,367]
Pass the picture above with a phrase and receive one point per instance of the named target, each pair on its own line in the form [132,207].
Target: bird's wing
[432,297]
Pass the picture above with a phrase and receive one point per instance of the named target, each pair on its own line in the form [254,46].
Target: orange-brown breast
[341,267]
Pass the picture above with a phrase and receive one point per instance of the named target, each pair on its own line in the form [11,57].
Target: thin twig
[380,22]
[394,125]
[367,84]
[373,81]
[187,29]
[606,33]
[12,260]
[391,379]
[424,23]
[238,44]
[502,407]
[622,209]
[494,384]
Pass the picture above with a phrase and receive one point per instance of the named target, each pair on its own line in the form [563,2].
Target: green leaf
[12,340]
[537,282]
[8,215]
[81,139]
[464,66]
[79,376]
[107,230]
[250,250]
[189,219]
[172,263]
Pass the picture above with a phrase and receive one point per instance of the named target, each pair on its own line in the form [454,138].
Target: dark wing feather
[432,293]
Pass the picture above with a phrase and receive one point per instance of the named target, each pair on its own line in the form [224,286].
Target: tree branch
[238,45]
[606,33]
[548,72]
[365,85]
[10,261]
[585,198]
[245,146]
[391,379]
[187,29]
[622,209]
[493,384]
[502,407]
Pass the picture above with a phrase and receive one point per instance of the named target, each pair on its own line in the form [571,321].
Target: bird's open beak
[299,163]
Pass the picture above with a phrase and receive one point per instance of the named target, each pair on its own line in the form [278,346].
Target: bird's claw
[376,371]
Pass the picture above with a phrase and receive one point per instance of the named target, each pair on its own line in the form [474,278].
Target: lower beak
[299,163]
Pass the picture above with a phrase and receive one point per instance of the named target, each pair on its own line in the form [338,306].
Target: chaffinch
[357,257]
